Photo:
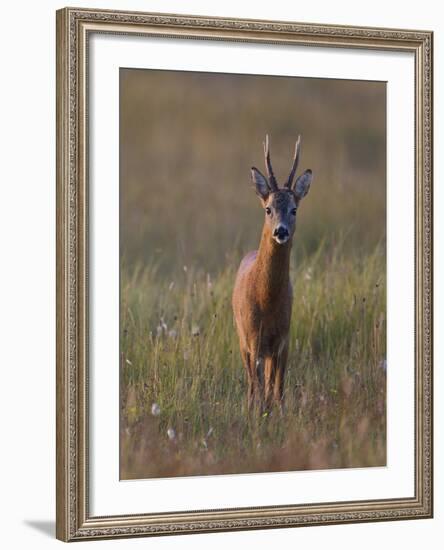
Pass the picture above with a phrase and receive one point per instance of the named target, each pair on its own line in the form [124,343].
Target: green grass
[180,351]
[187,142]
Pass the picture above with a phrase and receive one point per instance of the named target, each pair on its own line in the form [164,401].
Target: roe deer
[262,295]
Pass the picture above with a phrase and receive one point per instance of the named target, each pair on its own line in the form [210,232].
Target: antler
[297,151]
[270,174]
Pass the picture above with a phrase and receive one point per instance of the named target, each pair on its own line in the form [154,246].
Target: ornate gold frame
[73,519]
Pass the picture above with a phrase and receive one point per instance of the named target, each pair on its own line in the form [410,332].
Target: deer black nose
[281,232]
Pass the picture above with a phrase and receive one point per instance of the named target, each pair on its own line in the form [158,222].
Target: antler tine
[270,174]
[297,151]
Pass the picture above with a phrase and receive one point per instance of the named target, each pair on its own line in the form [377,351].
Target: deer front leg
[259,389]
[255,370]
[269,377]
[246,359]
[278,390]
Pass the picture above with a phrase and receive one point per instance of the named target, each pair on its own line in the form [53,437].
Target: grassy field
[188,216]
[180,352]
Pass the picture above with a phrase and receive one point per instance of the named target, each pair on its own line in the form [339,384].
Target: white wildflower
[162,328]
[155,409]
[171,434]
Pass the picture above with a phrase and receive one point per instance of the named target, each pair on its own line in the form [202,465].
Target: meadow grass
[180,360]
[188,214]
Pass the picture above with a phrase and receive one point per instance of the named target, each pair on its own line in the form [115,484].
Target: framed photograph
[244,274]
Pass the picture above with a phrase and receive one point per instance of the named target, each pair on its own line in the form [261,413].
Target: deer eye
[268,210]
[293,211]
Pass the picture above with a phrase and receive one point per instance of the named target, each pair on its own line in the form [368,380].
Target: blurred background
[188,141]
[188,215]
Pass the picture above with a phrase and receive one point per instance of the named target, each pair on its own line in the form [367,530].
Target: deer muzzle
[281,234]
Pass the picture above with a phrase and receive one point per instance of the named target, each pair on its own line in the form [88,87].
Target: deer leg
[278,390]
[260,382]
[246,359]
[250,394]
[269,376]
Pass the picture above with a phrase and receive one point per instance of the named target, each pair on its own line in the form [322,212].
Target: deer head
[281,204]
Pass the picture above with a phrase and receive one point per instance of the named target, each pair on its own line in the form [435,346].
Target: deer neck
[272,269]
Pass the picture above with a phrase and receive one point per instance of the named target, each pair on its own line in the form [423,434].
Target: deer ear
[302,184]
[260,182]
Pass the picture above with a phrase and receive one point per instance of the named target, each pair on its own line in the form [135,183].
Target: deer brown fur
[262,295]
